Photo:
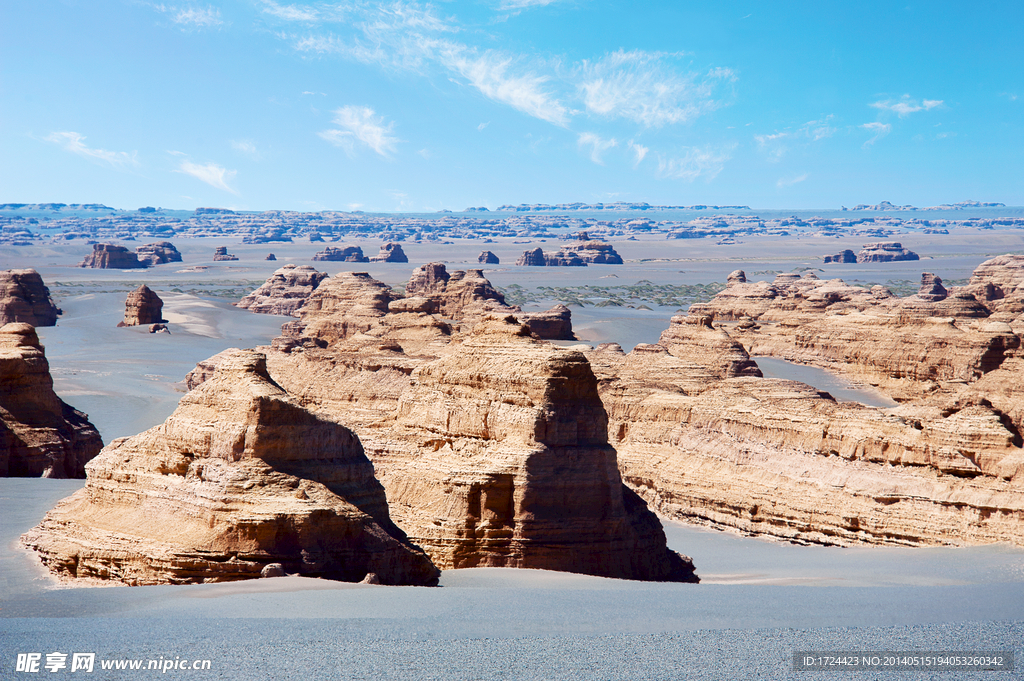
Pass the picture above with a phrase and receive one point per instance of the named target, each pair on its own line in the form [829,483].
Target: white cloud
[210,173]
[789,181]
[492,74]
[483,125]
[75,143]
[197,17]
[523,4]
[644,87]
[696,162]
[597,145]
[905,106]
[639,151]
[880,130]
[776,143]
[247,147]
[360,123]
[290,12]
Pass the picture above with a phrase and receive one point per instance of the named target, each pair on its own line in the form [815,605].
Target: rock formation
[846,256]
[487,258]
[284,291]
[576,254]
[142,306]
[220,254]
[553,324]
[24,298]
[40,435]
[239,477]
[390,252]
[886,251]
[158,253]
[270,256]
[111,257]
[346,254]
[694,339]
[538,258]
[341,306]
[498,456]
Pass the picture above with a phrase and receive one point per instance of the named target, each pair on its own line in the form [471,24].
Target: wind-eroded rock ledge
[237,478]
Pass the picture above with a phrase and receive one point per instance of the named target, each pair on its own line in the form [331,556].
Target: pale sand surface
[759,602]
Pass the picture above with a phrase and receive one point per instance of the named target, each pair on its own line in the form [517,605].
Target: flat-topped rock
[158,253]
[284,292]
[390,252]
[220,254]
[343,305]
[239,477]
[40,435]
[344,254]
[846,256]
[25,298]
[885,251]
[112,257]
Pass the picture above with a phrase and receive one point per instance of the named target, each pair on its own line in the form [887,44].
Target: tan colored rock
[346,254]
[112,256]
[40,435]
[695,339]
[341,306]
[284,292]
[499,457]
[220,254]
[25,298]
[553,324]
[142,306]
[158,253]
[390,252]
[238,478]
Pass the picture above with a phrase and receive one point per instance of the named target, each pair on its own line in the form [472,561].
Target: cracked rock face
[143,306]
[40,435]
[25,298]
[284,292]
[239,477]
[112,257]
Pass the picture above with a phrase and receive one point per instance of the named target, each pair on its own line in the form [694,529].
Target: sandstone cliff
[576,254]
[237,478]
[390,252]
[284,291]
[24,298]
[886,251]
[111,256]
[142,306]
[40,435]
[346,254]
[158,253]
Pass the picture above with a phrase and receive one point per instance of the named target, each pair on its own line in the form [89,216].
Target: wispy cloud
[290,12]
[361,124]
[905,106]
[210,173]
[75,143]
[644,87]
[191,16]
[639,151]
[880,130]
[597,145]
[495,75]
[706,162]
[777,143]
[247,147]
[789,181]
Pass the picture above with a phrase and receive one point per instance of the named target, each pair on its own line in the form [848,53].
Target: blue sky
[399,106]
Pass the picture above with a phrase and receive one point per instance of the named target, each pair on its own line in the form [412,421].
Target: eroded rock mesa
[220,254]
[390,252]
[111,257]
[25,298]
[40,435]
[158,253]
[239,477]
[345,254]
[284,291]
[143,306]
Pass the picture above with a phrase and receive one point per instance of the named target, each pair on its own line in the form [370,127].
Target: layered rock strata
[143,306]
[284,292]
[390,252]
[572,255]
[346,254]
[238,478]
[158,253]
[487,258]
[498,456]
[112,257]
[40,435]
[885,251]
[25,298]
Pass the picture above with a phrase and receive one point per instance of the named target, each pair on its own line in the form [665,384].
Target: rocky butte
[158,253]
[220,254]
[113,257]
[390,252]
[346,254]
[577,254]
[25,298]
[284,292]
[142,306]
[40,435]
[237,479]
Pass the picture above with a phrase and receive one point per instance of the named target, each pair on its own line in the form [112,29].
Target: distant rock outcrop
[239,477]
[487,258]
[284,292]
[846,257]
[886,251]
[390,252]
[142,306]
[221,254]
[346,254]
[40,435]
[572,255]
[270,256]
[158,253]
[111,257]
[553,324]
[25,298]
